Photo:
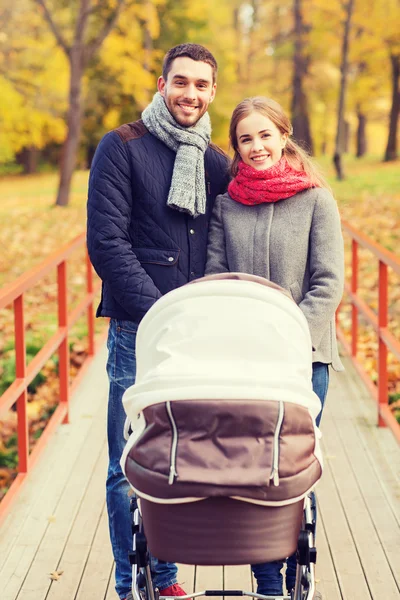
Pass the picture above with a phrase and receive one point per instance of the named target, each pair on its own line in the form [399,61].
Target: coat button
[170,258]
[191,231]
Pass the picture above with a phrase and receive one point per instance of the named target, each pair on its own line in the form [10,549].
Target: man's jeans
[268,575]
[121,369]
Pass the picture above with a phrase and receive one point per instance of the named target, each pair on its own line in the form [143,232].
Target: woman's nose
[257,144]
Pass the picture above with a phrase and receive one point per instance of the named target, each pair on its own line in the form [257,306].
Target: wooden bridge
[54,542]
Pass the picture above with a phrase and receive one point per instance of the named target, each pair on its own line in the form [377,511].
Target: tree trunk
[344,67]
[361,134]
[299,108]
[236,26]
[70,147]
[391,148]
[29,158]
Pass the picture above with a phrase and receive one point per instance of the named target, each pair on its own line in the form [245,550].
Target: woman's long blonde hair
[296,156]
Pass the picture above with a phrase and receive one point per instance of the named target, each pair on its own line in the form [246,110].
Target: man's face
[188,90]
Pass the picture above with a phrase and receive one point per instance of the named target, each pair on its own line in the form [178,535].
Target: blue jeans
[268,575]
[121,370]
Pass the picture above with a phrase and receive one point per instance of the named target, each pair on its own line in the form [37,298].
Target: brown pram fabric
[225,448]
[221,531]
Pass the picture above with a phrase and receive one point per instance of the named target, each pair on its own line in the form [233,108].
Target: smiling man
[151,191]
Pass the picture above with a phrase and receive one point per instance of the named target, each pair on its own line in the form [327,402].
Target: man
[151,189]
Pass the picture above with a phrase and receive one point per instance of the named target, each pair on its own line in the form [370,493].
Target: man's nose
[191,91]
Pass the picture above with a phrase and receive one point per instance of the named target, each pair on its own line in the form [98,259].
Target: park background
[71,70]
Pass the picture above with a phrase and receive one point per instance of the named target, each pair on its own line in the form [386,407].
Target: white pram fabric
[223,405]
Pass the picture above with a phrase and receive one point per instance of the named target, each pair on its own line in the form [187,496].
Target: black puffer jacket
[139,246]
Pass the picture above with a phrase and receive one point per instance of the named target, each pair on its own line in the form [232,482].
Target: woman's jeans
[268,575]
[121,369]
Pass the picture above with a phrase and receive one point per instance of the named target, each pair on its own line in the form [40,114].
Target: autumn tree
[31,104]
[391,147]
[340,132]
[299,104]
[79,47]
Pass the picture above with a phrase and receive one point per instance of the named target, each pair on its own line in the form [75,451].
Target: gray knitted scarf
[188,191]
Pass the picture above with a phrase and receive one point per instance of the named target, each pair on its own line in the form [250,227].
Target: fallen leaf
[55,575]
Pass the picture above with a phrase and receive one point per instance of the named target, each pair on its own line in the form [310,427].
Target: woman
[280,221]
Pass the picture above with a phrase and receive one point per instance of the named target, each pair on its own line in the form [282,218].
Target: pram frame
[305,574]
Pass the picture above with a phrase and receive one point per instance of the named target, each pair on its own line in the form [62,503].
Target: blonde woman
[279,220]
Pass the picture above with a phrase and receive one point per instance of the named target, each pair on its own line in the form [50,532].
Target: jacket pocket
[157,256]
[296,292]
[161,265]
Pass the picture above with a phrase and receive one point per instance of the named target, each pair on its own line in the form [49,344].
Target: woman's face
[260,142]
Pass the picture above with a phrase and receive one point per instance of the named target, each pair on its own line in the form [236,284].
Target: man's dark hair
[193,51]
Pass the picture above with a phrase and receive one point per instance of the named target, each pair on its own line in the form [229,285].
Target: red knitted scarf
[278,182]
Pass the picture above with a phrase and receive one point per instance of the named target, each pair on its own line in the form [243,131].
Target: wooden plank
[46,557]
[384,521]
[42,523]
[111,593]
[380,447]
[186,575]
[209,578]
[28,518]
[99,567]
[80,540]
[325,575]
[345,558]
[35,484]
[374,562]
[379,444]
[238,578]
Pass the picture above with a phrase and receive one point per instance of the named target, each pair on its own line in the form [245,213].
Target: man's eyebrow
[178,76]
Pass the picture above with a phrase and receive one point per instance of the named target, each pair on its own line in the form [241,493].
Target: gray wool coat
[296,243]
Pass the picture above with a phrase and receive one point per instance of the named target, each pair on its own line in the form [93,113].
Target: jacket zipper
[174,446]
[275,460]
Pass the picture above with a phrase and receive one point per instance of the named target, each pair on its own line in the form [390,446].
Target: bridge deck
[59,523]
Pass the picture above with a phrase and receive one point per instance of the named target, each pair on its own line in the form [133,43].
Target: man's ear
[161,85]
[213,92]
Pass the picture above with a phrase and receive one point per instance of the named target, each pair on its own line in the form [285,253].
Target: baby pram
[224,449]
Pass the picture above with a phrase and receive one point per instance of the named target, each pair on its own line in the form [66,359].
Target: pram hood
[223,339]
[230,354]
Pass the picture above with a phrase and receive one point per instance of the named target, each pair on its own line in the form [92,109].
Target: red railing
[17,391]
[13,294]
[379,322]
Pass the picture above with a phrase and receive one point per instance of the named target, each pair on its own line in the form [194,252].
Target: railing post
[90,312]
[63,351]
[20,373]
[354,287]
[382,348]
